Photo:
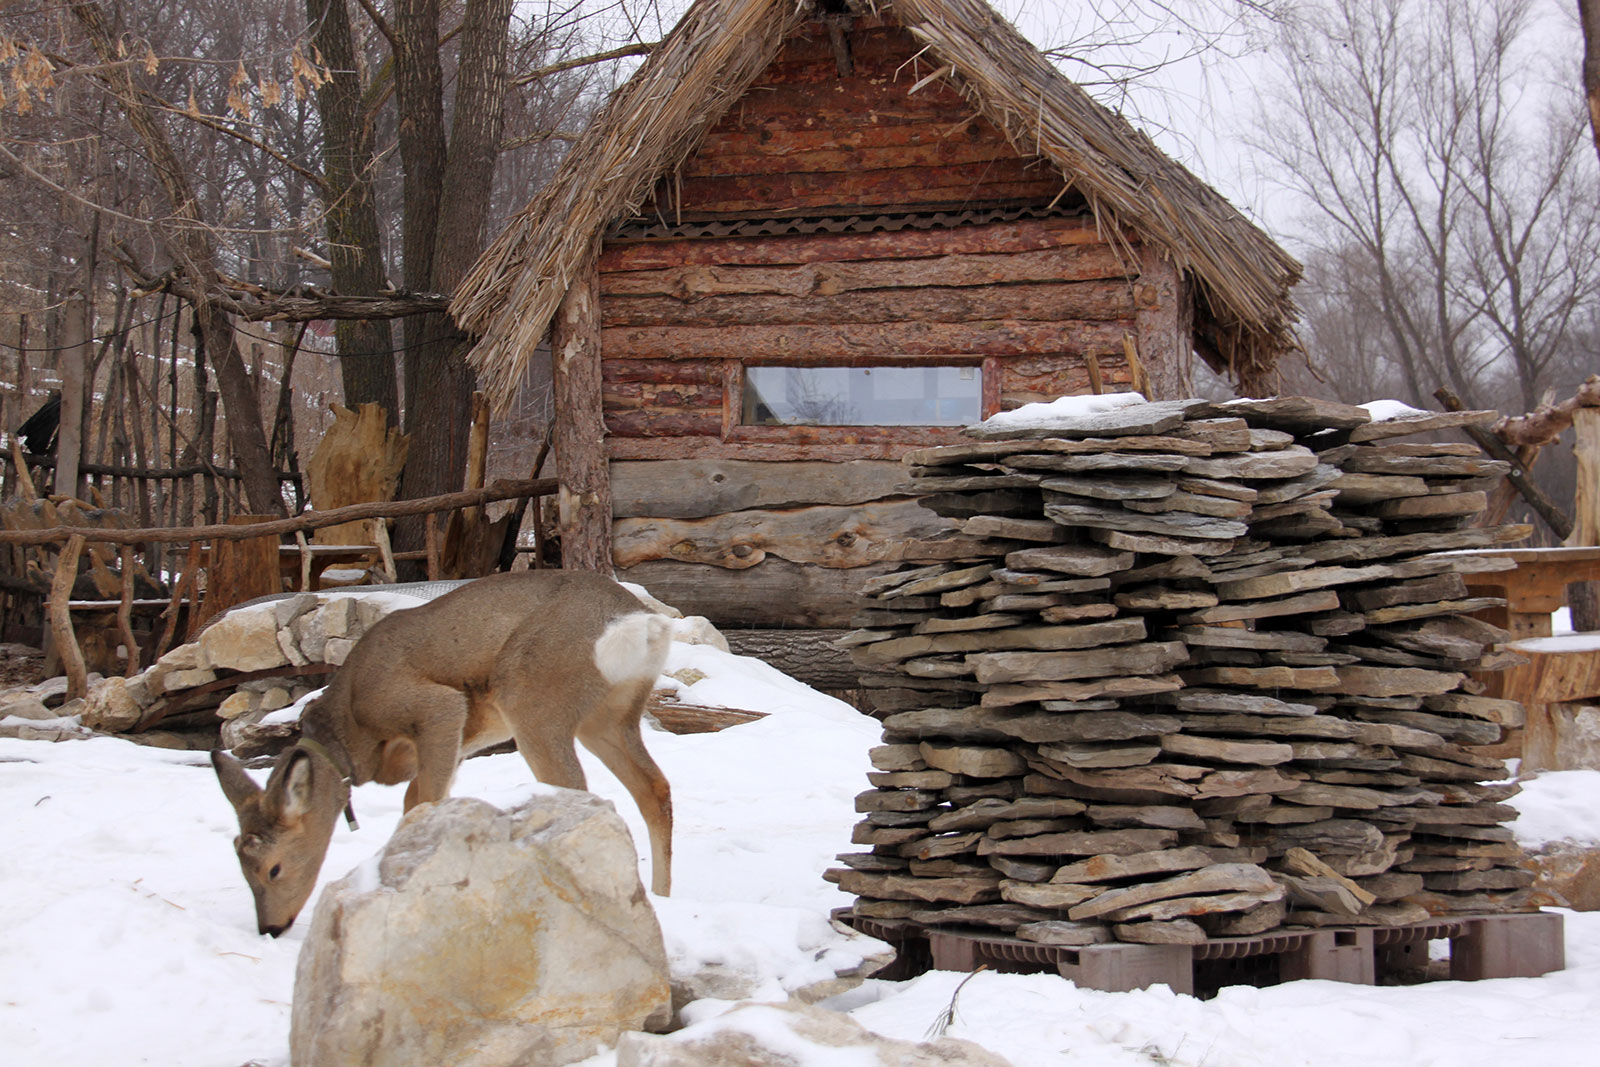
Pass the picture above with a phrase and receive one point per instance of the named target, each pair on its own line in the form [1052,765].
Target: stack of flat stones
[1219,685]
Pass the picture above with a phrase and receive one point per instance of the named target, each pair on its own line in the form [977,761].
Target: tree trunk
[1589,18]
[444,236]
[187,239]
[366,346]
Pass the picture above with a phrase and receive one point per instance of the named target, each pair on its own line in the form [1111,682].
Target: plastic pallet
[1481,946]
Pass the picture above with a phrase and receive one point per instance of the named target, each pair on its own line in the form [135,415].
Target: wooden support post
[125,614]
[584,498]
[1096,383]
[1163,314]
[1584,597]
[186,580]
[431,530]
[61,619]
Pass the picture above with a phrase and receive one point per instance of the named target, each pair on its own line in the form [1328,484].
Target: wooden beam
[1546,508]
[313,520]
[584,497]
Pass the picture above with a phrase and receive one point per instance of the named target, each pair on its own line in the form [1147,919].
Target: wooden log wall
[777,526]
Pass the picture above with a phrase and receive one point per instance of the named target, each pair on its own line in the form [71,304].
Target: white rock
[336,650]
[291,650]
[291,608]
[243,641]
[183,658]
[310,635]
[23,705]
[275,697]
[774,1034]
[338,617]
[176,680]
[482,938]
[697,630]
[109,709]
[241,703]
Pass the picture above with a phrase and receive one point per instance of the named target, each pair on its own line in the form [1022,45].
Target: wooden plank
[775,594]
[585,494]
[878,342]
[1068,263]
[695,489]
[1036,302]
[1023,235]
[729,155]
[628,396]
[824,535]
[662,371]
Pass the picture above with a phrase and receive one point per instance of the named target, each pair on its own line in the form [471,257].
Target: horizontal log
[1021,236]
[696,489]
[658,423]
[784,142]
[824,535]
[1068,263]
[311,520]
[1093,301]
[831,447]
[629,396]
[849,102]
[931,154]
[675,371]
[898,189]
[776,594]
[806,655]
[881,341]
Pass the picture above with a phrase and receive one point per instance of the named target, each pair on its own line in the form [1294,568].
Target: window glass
[862,396]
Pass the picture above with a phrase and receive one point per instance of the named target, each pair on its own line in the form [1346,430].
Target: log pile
[1217,687]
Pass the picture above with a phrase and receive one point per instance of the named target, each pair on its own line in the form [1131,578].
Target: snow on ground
[129,935]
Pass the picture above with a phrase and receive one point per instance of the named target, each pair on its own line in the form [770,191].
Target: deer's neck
[328,723]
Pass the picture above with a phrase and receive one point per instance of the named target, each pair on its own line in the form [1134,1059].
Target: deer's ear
[296,787]
[237,786]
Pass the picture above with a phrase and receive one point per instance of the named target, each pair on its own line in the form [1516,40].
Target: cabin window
[863,396]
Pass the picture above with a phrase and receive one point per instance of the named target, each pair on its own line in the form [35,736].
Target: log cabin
[805,238]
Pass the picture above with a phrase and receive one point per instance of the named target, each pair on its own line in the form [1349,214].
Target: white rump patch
[633,647]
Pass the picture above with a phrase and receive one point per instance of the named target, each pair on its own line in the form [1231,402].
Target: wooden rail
[58,607]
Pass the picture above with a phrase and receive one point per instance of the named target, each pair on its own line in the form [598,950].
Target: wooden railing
[73,539]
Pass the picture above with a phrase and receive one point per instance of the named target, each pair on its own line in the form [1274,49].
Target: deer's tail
[633,647]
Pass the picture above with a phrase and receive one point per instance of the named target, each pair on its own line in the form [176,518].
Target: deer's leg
[612,734]
[438,714]
[545,742]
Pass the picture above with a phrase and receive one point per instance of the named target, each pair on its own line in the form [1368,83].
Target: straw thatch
[1244,314]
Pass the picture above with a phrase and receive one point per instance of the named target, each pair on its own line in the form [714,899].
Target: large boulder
[481,938]
[793,1033]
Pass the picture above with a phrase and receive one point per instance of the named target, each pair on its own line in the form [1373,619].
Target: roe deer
[540,656]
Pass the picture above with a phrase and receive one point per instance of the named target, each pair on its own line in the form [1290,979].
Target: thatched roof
[657,119]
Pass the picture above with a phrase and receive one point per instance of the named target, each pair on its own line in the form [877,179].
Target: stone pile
[1217,687]
[231,671]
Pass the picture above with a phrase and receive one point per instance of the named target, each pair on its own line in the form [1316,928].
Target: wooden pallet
[1481,946]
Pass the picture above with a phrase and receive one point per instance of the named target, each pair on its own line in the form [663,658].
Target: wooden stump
[239,571]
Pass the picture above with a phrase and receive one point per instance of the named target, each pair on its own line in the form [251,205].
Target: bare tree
[1454,203]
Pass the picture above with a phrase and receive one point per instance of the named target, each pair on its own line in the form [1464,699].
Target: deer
[541,657]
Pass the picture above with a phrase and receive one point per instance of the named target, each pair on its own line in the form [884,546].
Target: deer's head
[284,830]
